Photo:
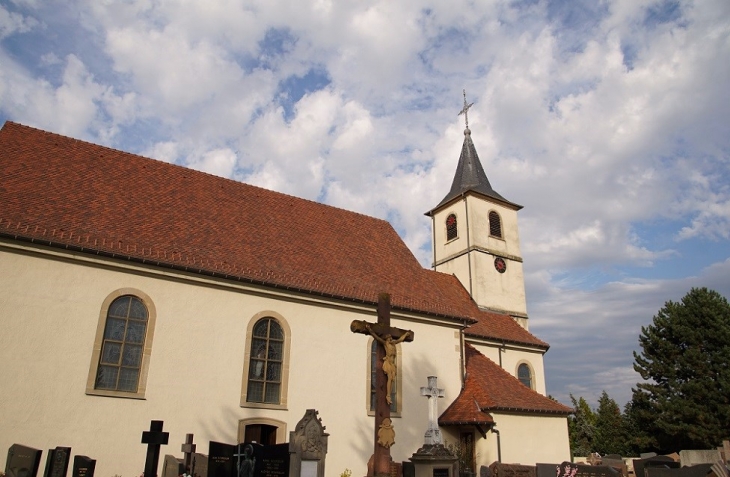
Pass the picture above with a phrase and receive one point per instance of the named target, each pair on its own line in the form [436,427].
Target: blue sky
[609,120]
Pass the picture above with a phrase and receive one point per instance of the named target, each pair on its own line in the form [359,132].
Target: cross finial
[465,110]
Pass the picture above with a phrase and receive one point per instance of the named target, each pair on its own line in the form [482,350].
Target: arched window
[451,230]
[524,374]
[373,370]
[265,363]
[121,351]
[495,225]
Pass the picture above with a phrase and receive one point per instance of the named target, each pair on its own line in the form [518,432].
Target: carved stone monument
[433,459]
[308,447]
[22,461]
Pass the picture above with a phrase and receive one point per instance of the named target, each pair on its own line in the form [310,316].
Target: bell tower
[475,237]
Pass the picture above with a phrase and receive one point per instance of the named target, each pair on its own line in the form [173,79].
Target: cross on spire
[465,110]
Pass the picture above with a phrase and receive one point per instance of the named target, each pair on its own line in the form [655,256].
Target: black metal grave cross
[154,438]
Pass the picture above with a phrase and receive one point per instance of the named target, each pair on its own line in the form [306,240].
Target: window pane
[258,348]
[135,332]
[524,375]
[275,348]
[272,393]
[111,353]
[128,379]
[114,329]
[261,328]
[106,377]
[275,331]
[119,307]
[138,311]
[273,372]
[255,391]
[256,369]
[132,356]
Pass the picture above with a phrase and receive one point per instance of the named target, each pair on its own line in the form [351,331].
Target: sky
[608,120]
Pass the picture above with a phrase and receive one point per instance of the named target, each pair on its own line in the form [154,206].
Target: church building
[134,290]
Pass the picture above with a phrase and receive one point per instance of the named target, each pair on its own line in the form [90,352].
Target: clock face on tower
[500,265]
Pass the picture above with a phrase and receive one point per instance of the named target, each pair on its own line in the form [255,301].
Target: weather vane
[465,110]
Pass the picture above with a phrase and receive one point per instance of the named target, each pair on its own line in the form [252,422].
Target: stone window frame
[146,348]
[525,365]
[284,390]
[281,434]
[455,228]
[495,226]
[398,381]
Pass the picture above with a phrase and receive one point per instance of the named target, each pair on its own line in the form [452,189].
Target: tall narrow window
[524,374]
[373,370]
[451,227]
[123,344]
[495,225]
[265,364]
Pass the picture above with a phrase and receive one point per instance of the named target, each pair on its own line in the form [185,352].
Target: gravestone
[57,462]
[546,470]
[83,466]
[154,438]
[221,460]
[172,466]
[656,461]
[22,461]
[308,446]
[270,461]
[617,462]
[200,465]
[512,470]
[694,457]
[699,470]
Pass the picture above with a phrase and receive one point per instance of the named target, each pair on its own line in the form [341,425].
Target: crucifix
[386,371]
[432,392]
[188,449]
[154,438]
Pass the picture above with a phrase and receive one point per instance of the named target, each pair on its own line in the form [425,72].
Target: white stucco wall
[50,309]
[545,436]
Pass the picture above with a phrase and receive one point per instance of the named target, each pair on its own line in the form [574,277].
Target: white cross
[433,434]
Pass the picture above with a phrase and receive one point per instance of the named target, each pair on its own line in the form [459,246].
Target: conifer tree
[684,401]
[581,427]
[611,436]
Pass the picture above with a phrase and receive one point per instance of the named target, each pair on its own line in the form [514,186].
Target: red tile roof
[502,327]
[489,388]
[72,194]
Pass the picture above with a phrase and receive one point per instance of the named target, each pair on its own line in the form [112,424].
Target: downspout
[501,350]
[468,247]
[499,444]
[433,239]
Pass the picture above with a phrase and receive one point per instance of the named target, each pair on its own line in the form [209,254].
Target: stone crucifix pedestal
[434,459]
[385,377]
[432,392]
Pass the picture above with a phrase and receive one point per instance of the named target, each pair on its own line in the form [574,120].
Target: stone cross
[154,438]
[384,434]
[432,392]
[188,449]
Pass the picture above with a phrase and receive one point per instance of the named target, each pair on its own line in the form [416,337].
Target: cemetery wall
[51,308]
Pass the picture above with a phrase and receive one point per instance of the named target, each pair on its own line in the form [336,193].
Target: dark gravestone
[512,470]
[221,460]
[699,470]
[656,461]
[409,470]
[57,462]
[441,472]
[271,461]
[485,472]
[22,461]
[83,466]
[546,470]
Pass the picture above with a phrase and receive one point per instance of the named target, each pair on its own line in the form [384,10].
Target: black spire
[470,175]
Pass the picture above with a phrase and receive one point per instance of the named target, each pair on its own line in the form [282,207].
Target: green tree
[684,401]
[581,427]
[611,433]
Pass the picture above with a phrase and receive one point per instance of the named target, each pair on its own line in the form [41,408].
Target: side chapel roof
[489,388]
[491,325]
[66,193]
[470,177]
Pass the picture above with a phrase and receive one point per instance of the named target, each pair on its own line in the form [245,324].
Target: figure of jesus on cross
[386,373]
